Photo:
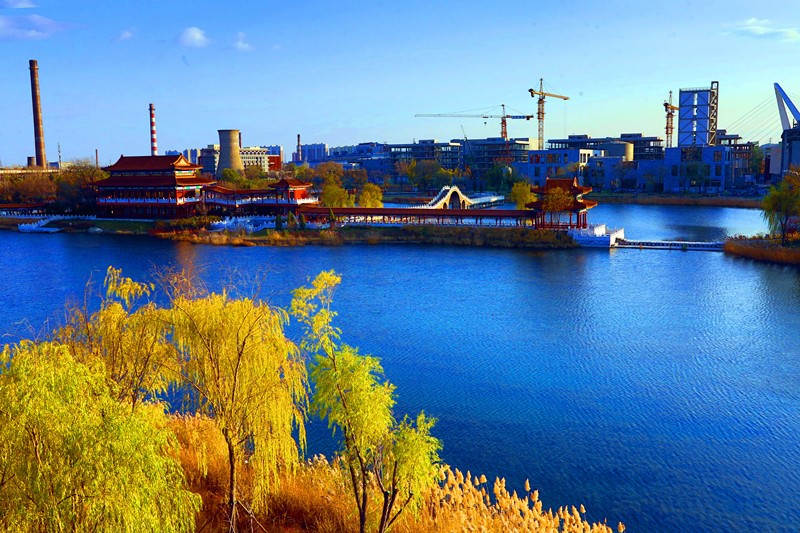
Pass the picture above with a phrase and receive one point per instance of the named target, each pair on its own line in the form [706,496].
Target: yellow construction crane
[540,109]
[669,109]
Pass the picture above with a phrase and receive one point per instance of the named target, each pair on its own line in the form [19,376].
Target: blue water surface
[659,388]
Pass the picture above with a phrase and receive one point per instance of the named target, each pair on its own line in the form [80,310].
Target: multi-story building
[209,158]
[790,149]
[311,153]
[257,156]
[643,147]
[447,154]
[544,164]
[274,149]
[480,155]
[697,116]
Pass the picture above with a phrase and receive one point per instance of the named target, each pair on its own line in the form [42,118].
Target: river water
[660,388]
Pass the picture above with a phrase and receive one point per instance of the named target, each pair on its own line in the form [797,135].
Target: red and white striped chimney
[153,142]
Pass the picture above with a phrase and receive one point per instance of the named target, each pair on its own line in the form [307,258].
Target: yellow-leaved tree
[397,460]
[129,335]
[74,458]
[240,368]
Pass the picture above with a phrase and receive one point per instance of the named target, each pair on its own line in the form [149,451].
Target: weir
[699,246]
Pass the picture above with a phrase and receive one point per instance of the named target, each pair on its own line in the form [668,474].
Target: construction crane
[670,111]
[503,118]
[540,108]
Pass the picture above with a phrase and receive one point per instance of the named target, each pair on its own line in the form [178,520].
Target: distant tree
[234,178]
[370,196]
[73,458]
[756,159]
[556,201]
[500,177]
[335,196]
[407,169]
[355,179]
[780,205]
[425,171]
[254,172]
[302,223]
[241,370]
[328,172]
[521,194]
[278,222]
[291,220]
[396,460]
[304,172]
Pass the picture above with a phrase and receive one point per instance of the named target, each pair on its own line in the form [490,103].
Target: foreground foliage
[85,444]
[74,458]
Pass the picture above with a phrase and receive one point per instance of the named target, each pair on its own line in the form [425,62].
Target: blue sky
[347,72]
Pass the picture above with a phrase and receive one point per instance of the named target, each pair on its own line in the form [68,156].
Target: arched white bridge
[451,197]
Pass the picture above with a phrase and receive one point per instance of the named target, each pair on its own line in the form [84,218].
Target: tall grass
[315,497]
[767,250]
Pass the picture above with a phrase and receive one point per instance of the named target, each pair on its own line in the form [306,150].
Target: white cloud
[241,44]
[125,35]
[765,29]
[18,4]
[28,27]
[194,37]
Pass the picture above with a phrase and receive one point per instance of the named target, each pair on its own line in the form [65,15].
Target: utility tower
[670,111]
[540,108]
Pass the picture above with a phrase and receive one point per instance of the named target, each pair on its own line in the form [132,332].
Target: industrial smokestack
[38,128]
[229,155]
[299,150]
[153,142]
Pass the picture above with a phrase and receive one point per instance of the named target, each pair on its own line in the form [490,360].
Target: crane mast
[669,109]
[540,107]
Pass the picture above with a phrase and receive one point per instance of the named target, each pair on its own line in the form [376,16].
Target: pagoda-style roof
[152,171]
[568,185]
[149,180]
[151,163]
[290,183]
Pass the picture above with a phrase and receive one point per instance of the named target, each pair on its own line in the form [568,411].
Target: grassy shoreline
[764,250]
[452,236]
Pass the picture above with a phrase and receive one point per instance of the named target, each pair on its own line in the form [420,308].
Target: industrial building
[259,156]
[447,154]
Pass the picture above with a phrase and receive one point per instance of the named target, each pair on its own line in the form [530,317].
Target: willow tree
[521,194]
[128,334]
[780,205]
[370,196]
[74,458]
[241,369]
[397,460]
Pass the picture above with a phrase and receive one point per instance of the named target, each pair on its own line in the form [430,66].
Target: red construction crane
[540,109]
[669,109]
[503,118]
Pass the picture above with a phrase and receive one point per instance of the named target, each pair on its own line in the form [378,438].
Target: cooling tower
[229,151]
[38,128]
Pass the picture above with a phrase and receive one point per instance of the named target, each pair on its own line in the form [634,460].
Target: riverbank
[501,237]
[683,200]
[766,250]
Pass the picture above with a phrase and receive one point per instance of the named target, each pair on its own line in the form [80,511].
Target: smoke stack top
[38,127]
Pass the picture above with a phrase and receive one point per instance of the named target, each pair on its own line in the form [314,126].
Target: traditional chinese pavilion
[577,209]
[292,190]
[154,186]
[281,197]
